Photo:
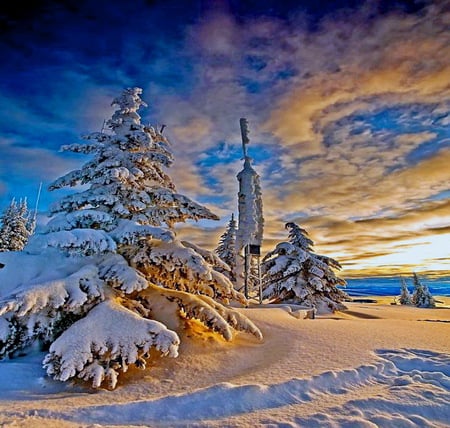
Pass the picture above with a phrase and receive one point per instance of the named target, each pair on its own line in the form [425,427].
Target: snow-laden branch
[72,292]
[87,198]
[174,266]
[209,256]
[234,318]
[204,309]
[117,273]
[41,310]
[164,158]
[129,232]
[75,241]
[71,179]
[105,342]
[87,148]
[85,219]
[186,205]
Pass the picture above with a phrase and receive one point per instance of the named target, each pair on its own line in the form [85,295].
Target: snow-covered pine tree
[119,283]
[422,297]
[226,250]
[17,225]
[405,296]
[293,273]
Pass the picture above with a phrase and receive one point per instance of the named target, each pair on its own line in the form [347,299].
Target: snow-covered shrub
[107,279]
[293,273]
[405,296]
[422,297]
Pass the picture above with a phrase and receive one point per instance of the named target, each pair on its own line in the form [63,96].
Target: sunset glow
[348,107]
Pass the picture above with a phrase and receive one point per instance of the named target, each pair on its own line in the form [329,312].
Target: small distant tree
[422,297]
[17,225]
[293,273]
[405,296]
[226,249]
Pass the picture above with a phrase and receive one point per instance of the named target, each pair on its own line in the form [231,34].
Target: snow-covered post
[251,222]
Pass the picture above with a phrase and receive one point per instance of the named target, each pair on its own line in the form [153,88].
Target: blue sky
[348,104]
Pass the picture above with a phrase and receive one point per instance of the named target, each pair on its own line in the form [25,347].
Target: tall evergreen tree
[226,249]
[293,273]
[120,282]
[17,225]
[422,297]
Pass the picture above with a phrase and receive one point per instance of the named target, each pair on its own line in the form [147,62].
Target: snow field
[403,379]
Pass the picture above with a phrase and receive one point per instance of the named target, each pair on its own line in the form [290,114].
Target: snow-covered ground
[373,365]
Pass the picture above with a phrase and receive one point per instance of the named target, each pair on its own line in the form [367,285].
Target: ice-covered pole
[251,221]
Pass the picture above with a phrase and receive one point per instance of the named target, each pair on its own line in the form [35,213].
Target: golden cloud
[196,129]
[397,59]
[205,237]
[359,194]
